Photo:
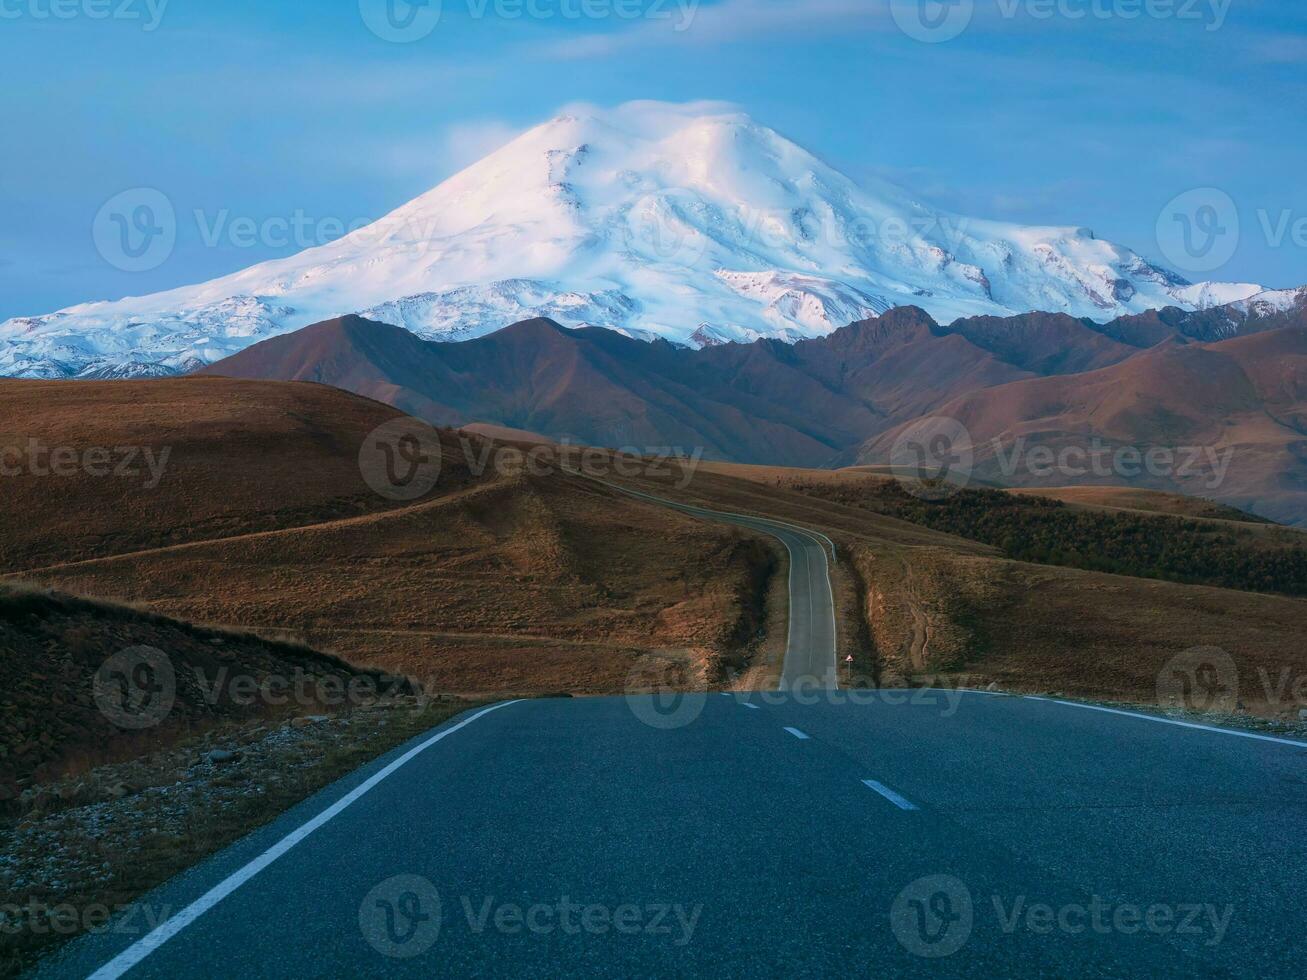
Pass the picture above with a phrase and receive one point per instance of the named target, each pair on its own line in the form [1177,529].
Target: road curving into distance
[810,655]
[803,832]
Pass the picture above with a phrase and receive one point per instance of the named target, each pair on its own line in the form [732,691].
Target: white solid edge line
[889,794]
[796,733]
[834,625]
[143,947]
[1176,722]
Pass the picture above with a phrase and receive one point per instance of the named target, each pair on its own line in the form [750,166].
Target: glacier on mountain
[689,222]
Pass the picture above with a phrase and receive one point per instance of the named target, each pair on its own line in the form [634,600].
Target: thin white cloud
[731,20]
[430,157]
[465,143]
[1286,49]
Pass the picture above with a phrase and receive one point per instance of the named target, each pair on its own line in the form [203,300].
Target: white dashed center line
[890,795]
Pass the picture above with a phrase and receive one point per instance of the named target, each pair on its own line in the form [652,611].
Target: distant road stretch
[810,653]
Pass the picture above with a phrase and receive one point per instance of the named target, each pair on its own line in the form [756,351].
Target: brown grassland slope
[934,607]
[523,585]
[502,581]
[514,581]
[52,647]
[93,814]
[233,457]
[1141,500]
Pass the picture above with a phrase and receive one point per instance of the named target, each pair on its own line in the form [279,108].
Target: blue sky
[1086,116]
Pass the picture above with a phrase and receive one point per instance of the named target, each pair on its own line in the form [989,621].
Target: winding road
[809,831]
[810,656]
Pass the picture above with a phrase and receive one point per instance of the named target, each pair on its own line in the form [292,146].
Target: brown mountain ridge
[843,398]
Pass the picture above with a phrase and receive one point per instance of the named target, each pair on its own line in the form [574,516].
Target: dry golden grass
[526,585]
[510,584]
[52,645]
[494,582]
[1141,500]
[929,606]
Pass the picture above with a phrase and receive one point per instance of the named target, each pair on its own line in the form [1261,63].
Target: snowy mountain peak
[690,222]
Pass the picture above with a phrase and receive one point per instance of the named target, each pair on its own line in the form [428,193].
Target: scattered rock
[220,756]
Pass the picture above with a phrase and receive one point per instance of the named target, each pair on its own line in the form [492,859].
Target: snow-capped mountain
[690,222]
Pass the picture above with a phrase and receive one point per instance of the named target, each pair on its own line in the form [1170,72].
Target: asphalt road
[838,833]
[804,832]
[810,656]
